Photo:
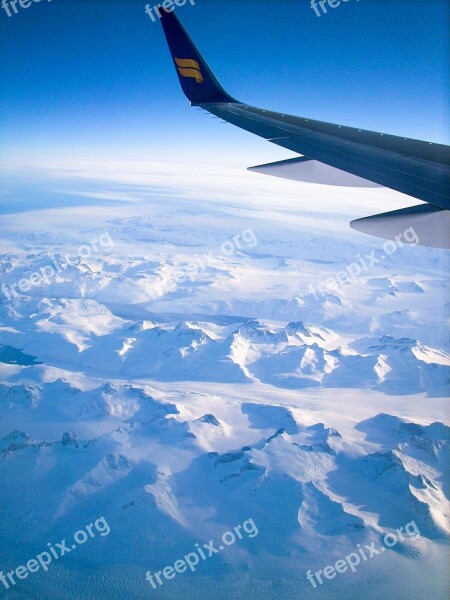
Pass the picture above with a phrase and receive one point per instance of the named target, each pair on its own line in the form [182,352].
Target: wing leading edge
[335,153]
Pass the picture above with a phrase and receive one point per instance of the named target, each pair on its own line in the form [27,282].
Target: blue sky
[91,78]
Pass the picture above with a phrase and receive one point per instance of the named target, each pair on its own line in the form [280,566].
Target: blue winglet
[196,78]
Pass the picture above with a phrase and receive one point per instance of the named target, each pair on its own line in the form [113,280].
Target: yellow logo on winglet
[189,68]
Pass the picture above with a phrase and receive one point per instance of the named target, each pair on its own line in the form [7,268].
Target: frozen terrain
[190,364]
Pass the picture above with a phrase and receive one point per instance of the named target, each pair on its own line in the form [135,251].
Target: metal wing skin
[330,154]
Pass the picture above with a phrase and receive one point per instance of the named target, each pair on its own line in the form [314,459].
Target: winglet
[196,78]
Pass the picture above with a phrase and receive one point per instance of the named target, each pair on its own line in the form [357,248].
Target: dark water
[13,356]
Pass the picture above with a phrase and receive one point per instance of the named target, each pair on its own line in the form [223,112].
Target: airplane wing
[330,154]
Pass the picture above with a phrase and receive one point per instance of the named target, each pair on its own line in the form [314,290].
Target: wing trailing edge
[429,225]
[312,171]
